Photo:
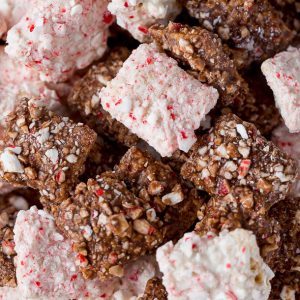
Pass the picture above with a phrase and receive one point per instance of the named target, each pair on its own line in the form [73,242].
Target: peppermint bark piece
[254,26]
[138,16]
[157,100]
[45,262]
[227,266]
[204,53]
[235,159]
[44,151]
[121,216]
[47,37]
[283,76]
[84,99]
[9,207]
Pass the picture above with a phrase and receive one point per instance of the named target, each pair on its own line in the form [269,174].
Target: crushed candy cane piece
[137,16]
[228,266]
[46,264]
[283,75]
[55,38]
[157,100]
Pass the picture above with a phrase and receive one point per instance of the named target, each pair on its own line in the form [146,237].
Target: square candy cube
[283,75]
[157,100]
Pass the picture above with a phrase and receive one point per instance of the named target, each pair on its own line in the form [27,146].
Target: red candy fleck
[31,27]
[183,135]
[149,60]
[73,277]
[126,4]
[194,246]
[81,258]
[107,105]
[118,102]
[228,265]
[223,188]
[243,249]
[107,17]
[63,10]
[103,296]
[99,192]
[134,276]
[37,283]
[244,167]
[151,230]
[143,29]
[173,116]
[132,116]
[231,295]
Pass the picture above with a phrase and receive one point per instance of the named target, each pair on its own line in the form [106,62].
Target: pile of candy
[150,149]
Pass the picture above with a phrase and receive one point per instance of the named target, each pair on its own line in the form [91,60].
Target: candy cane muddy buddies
[149,150]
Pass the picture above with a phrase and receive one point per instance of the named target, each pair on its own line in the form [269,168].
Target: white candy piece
[228,266]
[45,264]
[137,16]
[289,143]
[57,37]
[136,276]
[18,81]
[283,76]
[157,100]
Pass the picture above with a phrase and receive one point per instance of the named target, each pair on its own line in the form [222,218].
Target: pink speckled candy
[17,81]
[57,37]
[46,263]
[136,276]
[215,267]
[289,143]
[157,100]
[137,16]
[283,75]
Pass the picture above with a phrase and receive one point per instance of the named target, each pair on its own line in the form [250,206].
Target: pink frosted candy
[157,100]
[45,264]
[16,81]
[137,16]
[215,267]
[289,143]
[58,37]
[283,75]
[135,278]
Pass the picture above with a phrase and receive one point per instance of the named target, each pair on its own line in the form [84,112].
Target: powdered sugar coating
[289,143]
[210,267]
[17,81]
[283,75]
[57,37]
[138,15]
[157,100]
[46,264]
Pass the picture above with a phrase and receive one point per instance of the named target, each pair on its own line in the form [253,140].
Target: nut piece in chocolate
[125,214]
[203,52]
[235,160]
[254,26]
[44,151]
